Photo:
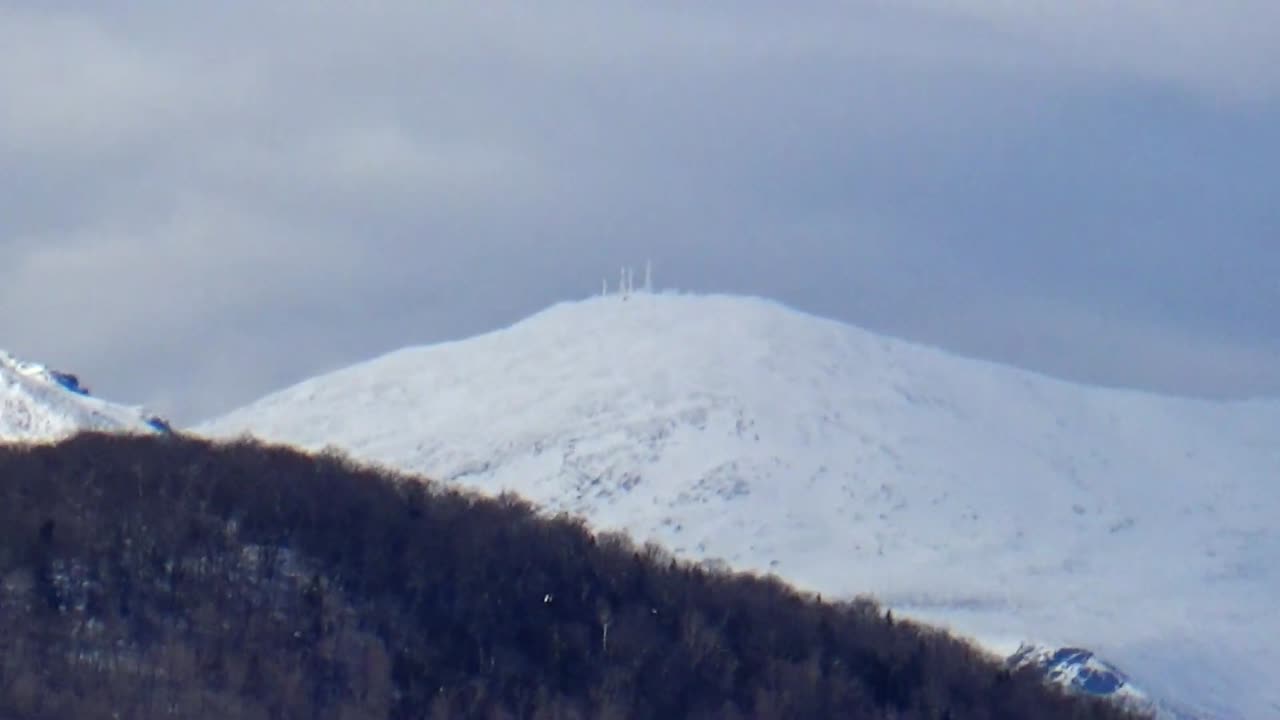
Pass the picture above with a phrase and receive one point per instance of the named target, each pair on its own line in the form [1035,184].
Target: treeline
[173,577]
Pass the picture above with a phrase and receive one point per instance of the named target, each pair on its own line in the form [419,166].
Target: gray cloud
[200,204]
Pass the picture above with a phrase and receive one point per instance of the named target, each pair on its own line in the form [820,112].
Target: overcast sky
[202,202]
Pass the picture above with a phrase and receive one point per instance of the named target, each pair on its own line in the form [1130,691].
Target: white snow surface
[34,407]
[1005,505]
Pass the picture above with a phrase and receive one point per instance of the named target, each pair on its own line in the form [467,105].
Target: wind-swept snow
[1002,503]
[40,404]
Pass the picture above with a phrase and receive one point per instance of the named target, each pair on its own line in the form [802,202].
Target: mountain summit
[1005,504]
[39,404]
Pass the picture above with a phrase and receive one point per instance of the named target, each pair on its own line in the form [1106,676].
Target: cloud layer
[201,204]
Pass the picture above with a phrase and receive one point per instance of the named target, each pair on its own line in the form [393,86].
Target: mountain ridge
[40,404]
[998,501]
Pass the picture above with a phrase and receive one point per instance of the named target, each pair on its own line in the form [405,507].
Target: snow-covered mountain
[1006,505]
[40,404]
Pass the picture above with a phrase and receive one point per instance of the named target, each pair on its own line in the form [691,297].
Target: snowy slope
[1007,505]
[39,404]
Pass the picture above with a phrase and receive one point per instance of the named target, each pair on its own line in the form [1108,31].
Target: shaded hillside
[149,577]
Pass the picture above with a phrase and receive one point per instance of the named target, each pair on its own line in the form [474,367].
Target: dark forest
[146,577]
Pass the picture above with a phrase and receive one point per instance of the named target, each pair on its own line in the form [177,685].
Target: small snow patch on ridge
[1082,671]
[1077,669]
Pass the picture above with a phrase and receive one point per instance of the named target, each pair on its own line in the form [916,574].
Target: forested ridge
[174,577]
